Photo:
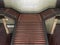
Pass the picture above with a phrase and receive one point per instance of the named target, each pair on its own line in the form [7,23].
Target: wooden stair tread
[29,29]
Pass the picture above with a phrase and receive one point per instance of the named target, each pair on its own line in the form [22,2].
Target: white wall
[49,24]
[30,6]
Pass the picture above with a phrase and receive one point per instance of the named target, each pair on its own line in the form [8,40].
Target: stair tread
[29,29]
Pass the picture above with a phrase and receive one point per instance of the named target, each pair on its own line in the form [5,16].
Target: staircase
[48,13]
[30,30]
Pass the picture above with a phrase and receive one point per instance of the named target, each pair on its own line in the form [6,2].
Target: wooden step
[29,30]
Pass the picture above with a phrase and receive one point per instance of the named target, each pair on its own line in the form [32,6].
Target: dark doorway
[5,39]
[54,39]
[56,34]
